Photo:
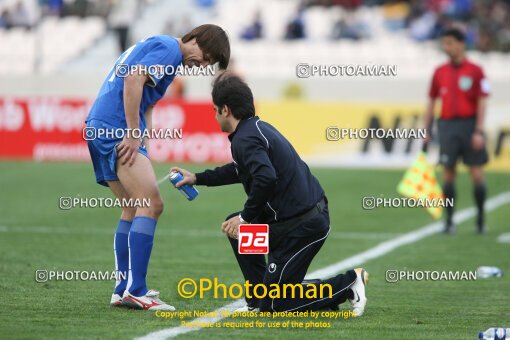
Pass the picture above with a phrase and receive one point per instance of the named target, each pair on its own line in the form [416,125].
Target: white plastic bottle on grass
[485,272]
[495,334]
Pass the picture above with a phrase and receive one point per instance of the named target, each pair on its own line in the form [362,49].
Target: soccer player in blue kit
[125,102]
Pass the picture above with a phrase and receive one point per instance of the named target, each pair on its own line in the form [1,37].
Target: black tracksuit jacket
[277,181]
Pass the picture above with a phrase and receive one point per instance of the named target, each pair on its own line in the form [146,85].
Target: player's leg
[253,268]
[120,243]
[101,153]
[139,180]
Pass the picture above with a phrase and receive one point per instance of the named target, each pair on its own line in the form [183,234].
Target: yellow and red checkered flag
[419,182]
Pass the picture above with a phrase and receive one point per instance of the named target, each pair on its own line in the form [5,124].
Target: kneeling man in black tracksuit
[283,193]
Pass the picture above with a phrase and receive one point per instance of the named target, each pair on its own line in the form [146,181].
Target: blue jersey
[160,50]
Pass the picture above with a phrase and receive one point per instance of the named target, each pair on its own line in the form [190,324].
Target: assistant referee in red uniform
[463,90]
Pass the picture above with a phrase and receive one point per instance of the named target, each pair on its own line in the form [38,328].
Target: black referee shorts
[455,141]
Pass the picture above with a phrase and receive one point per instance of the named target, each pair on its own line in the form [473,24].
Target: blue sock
[141,237]
[121,251]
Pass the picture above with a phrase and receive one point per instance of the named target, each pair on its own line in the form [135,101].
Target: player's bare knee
[156,206]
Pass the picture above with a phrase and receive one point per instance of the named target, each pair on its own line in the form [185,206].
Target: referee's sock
[449,193]
[121,252]
[141,238]
[480,192]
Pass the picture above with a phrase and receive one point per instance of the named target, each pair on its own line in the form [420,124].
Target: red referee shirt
[459,87]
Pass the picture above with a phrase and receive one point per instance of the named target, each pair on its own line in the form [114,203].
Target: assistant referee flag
[420,182]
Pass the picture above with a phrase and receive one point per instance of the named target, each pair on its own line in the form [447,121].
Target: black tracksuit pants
[288,263]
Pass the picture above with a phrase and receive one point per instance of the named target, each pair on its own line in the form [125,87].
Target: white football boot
[247,309]
[150,301]
[358,288]
[116,300]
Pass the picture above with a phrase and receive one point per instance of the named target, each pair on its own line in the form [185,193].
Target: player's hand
[231,227]
[127,150]
[477,141]
[189,177]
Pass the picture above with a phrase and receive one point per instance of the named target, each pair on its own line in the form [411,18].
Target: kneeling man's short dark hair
[232,91]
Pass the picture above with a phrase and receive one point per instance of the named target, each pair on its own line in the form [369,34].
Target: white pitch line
[353,235]
[196,233]
[504,238]
[349,263]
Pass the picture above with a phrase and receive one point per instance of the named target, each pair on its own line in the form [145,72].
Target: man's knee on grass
[272,305]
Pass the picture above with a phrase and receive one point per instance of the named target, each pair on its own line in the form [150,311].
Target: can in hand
[189,191]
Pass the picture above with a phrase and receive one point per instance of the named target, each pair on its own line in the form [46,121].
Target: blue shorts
[103,151]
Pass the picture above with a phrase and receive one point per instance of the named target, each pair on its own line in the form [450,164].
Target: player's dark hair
[232,91]
[455,33]
[213,41]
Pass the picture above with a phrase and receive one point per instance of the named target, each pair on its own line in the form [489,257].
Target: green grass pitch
[36,234]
